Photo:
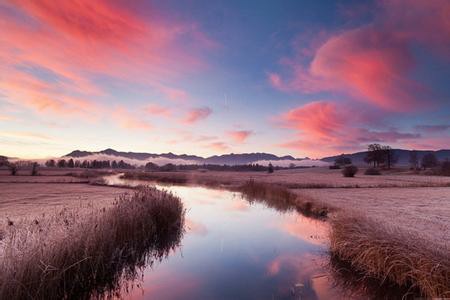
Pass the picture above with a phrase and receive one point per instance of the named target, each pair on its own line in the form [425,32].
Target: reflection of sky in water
[236,250]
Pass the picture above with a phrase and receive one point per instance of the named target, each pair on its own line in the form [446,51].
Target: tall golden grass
[77,255]
[388,254]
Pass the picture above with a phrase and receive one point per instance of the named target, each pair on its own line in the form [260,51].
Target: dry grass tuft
[180,178]
[86,174]
[280,198]
[372,171]
[78,256]
[385,253]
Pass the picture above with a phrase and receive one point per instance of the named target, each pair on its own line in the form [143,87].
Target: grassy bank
[281,198]
[387,254]
[73,255]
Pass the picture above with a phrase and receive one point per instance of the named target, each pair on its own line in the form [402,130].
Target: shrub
[34,169]
[445,168]
[372,171]
[349,171]
[13,169]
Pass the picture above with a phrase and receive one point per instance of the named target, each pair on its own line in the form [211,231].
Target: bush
[349,171]
[444,170]
[372,171]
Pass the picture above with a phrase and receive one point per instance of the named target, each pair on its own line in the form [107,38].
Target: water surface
[234,249]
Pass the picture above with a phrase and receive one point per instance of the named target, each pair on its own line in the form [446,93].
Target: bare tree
[70,163]
[375,155]
[429,161]
[50,163]
[13,168]
[61,163]
[390,156]
[413,159]
[34,169]
[3,161]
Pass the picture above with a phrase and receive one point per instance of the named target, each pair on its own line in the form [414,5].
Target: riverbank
[400,226]
[78,254]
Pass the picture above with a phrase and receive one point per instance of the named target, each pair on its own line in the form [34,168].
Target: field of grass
[31,200]
[297,178]
[77,255]
[394,226]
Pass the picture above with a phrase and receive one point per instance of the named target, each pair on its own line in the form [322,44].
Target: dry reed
[77,255]
[281,198]
[391,255]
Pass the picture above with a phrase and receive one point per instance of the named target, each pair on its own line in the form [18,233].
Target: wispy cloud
[26,135]
[240,136]
[433,128]
[197,114]
[128,120]
[218,146]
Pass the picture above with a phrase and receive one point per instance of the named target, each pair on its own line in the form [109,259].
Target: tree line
[88,164]
[386,157]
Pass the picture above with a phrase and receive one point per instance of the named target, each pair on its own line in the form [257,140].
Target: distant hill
[240,159]
[403,156]
[226,159]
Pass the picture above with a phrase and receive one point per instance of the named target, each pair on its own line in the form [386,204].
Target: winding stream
[234,249]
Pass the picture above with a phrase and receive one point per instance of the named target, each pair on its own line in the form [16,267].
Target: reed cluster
[79,255]
[390,255]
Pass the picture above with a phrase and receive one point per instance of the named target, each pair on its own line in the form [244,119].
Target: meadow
[393,227]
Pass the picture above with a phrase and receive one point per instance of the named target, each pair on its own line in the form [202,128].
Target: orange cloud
[197,114]
[240,136]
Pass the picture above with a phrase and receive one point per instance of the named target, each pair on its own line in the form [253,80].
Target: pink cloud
[197,114]
[240,136]
[374,63]
[127,120]
[218,146]
[324,128]
[26,90]
[156,109]
[78,40]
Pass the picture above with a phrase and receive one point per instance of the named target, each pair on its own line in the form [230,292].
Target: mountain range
[225,159]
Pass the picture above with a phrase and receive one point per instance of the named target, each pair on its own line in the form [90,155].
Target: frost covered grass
[81,255]
[390,255]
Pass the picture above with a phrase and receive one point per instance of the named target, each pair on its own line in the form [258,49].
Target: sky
[307,78]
